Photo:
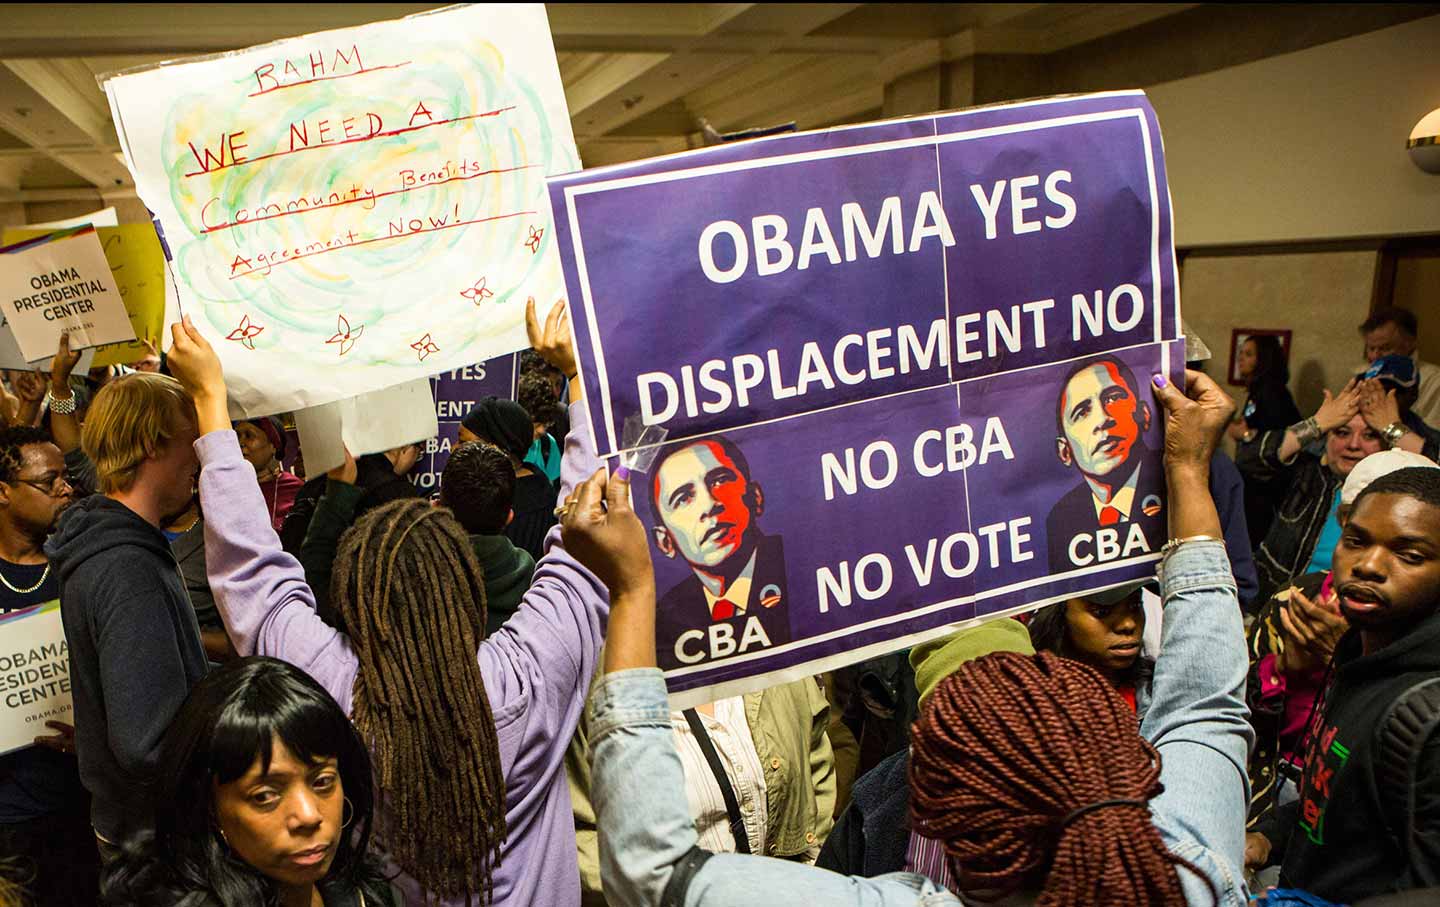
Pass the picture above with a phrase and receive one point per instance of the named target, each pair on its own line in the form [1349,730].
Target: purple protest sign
[904,368]
[878,525]
[742,283]
[455,392]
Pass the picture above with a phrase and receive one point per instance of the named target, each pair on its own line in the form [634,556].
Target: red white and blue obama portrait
[706,507]
[1116,510]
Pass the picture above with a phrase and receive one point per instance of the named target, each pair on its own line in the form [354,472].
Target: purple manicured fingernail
[1159,380]
[623,473]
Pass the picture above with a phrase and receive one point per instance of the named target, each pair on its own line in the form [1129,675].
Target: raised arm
[64,425]
[260,590]
[334,513]
[1333,412]
[30,388]
[553,639]
[1197,716]
[648,843]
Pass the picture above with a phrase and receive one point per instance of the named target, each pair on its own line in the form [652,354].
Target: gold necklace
[38,583]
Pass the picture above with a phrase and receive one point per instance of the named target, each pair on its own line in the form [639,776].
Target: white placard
[62,285]
[34,675]
[356,208]
[369,423]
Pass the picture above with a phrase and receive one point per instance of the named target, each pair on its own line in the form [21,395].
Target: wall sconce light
[1424,142]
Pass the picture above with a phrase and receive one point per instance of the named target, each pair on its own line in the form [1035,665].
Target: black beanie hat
[502,422]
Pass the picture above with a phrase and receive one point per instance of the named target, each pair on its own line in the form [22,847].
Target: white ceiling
[638,76]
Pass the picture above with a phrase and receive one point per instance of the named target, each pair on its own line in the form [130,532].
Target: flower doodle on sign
[424,346]
[533,241]
[246,333]
[346,335]
[478,293]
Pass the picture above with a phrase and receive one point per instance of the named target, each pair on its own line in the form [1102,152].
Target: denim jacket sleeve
[1198,720]
[646,828]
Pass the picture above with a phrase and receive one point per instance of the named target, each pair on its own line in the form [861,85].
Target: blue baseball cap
[1393,371]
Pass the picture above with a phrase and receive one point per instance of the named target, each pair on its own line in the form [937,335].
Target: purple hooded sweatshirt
[537,668]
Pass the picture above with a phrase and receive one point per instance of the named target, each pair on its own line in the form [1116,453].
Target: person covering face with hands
[1297,541]
[468,732]
[1389,389]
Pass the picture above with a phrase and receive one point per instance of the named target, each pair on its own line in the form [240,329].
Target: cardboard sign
[61,283]
[34,675]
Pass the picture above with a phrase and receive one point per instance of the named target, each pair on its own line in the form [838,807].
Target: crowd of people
[325,690]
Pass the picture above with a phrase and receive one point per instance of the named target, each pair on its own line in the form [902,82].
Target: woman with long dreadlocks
[1027,768]
[468,734]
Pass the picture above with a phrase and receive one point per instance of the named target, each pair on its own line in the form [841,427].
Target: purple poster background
[857,340]
[455,392]
[985,226]
[947,524]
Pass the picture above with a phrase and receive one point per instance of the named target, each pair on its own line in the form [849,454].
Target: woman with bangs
[266,798]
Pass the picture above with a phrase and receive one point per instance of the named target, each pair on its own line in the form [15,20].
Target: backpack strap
[1406,727]
[722,780]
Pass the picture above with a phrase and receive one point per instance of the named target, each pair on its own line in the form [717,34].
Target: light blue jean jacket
[1195,715]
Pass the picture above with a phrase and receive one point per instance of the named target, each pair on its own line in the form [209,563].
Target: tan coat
[788,723]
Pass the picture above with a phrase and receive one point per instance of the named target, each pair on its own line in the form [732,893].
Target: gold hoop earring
[345,823]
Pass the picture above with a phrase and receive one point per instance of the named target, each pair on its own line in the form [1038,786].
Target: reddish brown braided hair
[1011,745]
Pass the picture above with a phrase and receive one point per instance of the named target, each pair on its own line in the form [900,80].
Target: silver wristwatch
[1393,432]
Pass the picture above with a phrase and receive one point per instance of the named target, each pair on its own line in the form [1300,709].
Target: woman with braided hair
[1028,769]
[467,733]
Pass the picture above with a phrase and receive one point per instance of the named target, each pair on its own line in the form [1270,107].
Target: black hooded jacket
[1340,840]
[373,472]
[134,653]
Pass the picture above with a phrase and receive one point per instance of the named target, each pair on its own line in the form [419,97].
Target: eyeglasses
[49,487]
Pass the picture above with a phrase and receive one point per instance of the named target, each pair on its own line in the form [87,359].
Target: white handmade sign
[356,208]
[61,284]
[34,675]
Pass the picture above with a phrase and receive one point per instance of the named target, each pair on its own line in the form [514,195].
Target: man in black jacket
[134,643]
[1368,817]
[381,479]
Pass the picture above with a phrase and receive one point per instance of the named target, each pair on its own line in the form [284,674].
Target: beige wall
[1304,146]
[1321,296]
[128,210]
[1417,288]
